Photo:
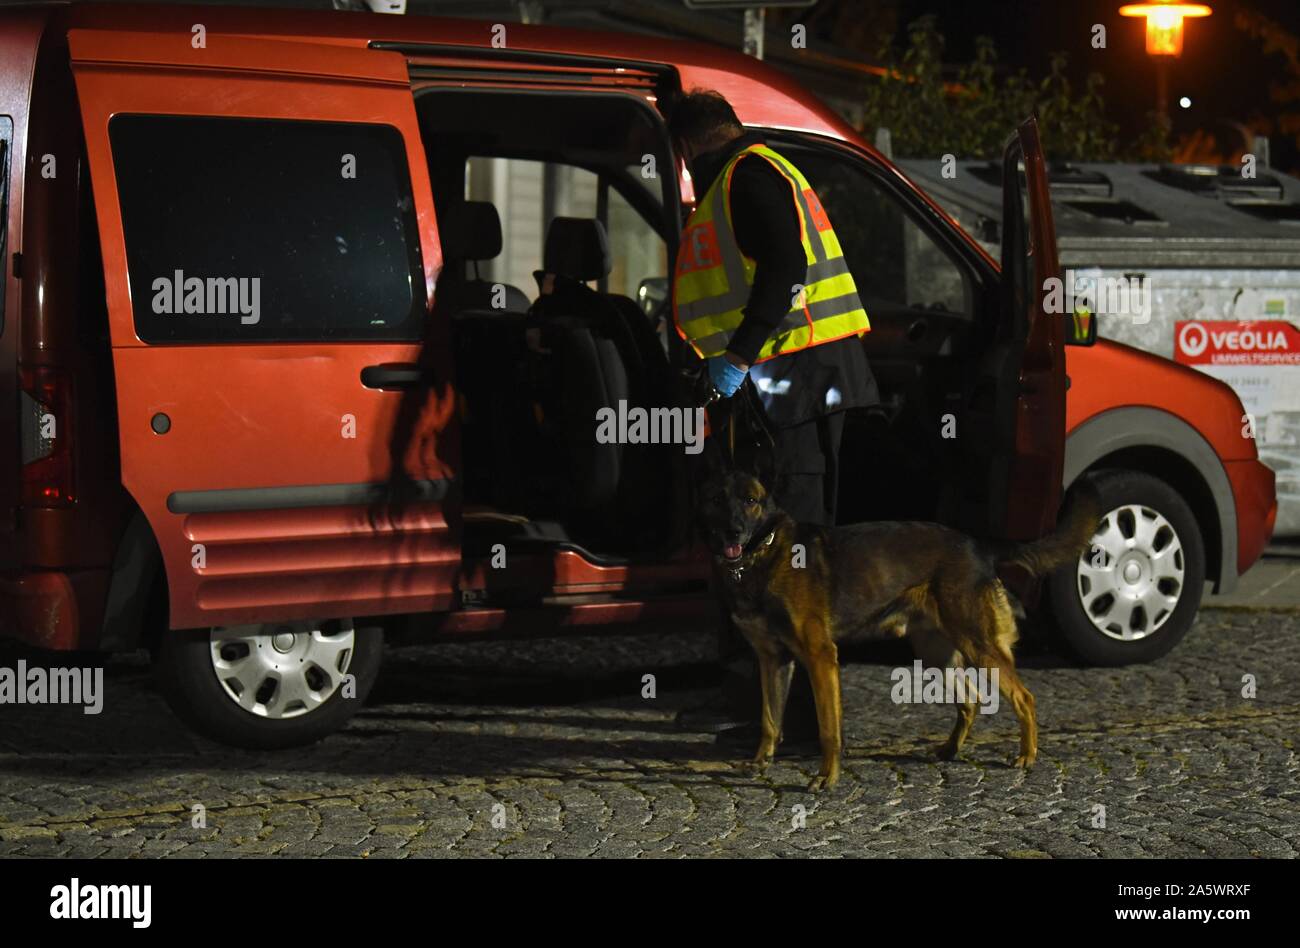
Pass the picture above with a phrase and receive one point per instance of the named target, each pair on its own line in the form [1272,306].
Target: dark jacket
[802,385]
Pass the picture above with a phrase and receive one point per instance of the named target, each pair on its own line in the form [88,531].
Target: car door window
[896,264]
[637,251]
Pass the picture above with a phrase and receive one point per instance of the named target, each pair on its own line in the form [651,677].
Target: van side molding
[310,495]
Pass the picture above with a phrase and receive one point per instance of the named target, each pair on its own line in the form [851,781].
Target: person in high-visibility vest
[761,288]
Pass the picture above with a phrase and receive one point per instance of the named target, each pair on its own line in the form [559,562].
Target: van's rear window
[241,230]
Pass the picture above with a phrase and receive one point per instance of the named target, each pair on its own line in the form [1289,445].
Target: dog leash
[754,409]
[748,397]
[731,432]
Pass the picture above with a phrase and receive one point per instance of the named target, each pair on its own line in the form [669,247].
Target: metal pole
[1162,89]
[754,20]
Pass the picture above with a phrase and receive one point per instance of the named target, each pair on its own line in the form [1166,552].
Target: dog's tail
[1071,538]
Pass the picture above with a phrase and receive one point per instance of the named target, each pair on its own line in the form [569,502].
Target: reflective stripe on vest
[713,279]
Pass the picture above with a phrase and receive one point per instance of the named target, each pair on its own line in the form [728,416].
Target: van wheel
[1134,594]
[265,687]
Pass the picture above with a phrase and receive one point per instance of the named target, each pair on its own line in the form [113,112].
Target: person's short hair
[702,118]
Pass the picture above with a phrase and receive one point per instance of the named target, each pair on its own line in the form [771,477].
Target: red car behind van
[265,408]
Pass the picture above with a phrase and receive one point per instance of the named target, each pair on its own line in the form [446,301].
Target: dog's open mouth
[731,552]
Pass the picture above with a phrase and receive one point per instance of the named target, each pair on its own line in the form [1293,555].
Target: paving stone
[553,738]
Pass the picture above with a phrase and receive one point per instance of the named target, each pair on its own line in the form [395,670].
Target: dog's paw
[758,766]
[823,782]
[1024,761]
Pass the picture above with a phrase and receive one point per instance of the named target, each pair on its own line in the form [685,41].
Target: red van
[268,408]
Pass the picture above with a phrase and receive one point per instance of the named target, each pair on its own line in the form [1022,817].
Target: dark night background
[1224,71]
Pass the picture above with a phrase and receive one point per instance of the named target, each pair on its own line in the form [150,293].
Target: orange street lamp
[1164,38]
[1164,23]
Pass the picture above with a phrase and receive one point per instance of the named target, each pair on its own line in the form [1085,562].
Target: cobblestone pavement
[549,749]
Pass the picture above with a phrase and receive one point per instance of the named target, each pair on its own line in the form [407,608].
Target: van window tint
[255,229]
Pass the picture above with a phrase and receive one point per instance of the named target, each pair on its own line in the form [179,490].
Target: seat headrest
[472,233]
[576,247]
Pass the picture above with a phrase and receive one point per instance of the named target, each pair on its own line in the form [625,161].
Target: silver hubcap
[1130,580]
[282,669]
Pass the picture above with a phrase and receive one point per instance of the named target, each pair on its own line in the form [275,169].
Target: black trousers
[807,462]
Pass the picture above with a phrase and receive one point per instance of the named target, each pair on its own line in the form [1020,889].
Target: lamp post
[755,17]
[1164,39]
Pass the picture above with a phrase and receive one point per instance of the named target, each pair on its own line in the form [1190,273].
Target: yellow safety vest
[713,279]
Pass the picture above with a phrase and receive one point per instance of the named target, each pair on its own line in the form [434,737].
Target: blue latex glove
[726,378]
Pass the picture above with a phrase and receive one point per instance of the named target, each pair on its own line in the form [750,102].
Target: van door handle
[392,375]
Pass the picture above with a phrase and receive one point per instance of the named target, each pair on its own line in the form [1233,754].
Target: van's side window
[256,229]
[894,261]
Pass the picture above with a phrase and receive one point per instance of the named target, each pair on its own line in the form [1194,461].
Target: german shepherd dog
[929,583]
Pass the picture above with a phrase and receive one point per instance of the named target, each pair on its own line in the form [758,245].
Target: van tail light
[45,406]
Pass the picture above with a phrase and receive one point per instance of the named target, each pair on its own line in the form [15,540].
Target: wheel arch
[1165,446]
[137,590]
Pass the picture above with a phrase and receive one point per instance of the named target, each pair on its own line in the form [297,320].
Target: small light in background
[1185,102]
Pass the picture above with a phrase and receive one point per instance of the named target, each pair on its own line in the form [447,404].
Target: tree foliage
[972,114]
[1285,94]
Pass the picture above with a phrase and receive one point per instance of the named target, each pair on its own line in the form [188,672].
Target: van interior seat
[599,360]
[533,385]
[488,342]
[577,253]
[582,357]
[472,234]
